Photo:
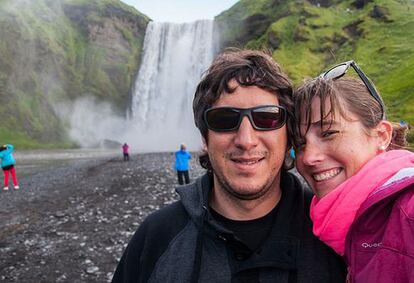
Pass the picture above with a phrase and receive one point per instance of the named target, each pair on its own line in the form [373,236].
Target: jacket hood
[194,197]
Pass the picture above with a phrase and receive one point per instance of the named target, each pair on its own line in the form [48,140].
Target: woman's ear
[384,134]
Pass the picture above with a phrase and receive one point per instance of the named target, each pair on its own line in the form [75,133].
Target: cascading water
[174,58]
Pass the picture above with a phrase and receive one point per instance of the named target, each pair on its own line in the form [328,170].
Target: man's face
[247,162]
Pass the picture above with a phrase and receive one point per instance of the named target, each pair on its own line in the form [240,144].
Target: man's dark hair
[247,68]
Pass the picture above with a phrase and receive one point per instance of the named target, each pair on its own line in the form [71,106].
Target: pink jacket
[125,148]
[370,220]
[380,242]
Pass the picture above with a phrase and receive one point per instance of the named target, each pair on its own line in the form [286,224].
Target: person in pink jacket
[362,177]
[125,151]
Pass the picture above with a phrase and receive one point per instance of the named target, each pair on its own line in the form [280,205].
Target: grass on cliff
[23,141]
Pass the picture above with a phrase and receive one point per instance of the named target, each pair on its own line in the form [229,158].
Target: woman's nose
[311,154]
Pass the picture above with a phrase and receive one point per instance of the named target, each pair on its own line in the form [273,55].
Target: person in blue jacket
[7,164]
[182,157]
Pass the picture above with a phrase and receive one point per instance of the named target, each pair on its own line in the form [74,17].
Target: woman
[364,194]
[7,164]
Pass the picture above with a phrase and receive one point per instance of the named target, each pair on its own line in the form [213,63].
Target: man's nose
[246,136]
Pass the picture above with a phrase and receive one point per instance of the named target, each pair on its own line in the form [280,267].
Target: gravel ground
[72,218]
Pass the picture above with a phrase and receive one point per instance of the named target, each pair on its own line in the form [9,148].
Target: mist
[92,123]
[160,115]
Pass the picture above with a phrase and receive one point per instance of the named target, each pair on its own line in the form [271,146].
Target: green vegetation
[54,51]
[22,141]
[307,38]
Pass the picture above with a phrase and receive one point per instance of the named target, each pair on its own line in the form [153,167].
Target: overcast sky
[180,11]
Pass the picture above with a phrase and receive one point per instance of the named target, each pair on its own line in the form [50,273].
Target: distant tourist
[182,157]
[125,151]
[7,164]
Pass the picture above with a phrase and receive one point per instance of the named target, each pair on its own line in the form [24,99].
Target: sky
[180,11]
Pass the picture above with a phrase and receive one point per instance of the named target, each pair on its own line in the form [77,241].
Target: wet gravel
[72,219]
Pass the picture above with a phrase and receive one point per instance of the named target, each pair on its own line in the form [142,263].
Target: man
[182,157]
[247,219]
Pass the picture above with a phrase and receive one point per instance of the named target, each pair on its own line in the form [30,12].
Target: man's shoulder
[170,217]
[160,227]
[149,242]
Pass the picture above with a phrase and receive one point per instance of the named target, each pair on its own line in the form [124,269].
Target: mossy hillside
[248,19]
[55,51]
[308,39]
[19,81]
[107,74]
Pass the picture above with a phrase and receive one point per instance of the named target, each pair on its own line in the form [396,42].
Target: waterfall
[174,58]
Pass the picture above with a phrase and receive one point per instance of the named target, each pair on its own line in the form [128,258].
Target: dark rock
[354,30]
[360,4]
[380,13]
[60,214]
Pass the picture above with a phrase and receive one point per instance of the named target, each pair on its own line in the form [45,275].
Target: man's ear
[204,146]
[384,133]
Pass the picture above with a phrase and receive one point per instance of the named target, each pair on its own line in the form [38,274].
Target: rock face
[56,51]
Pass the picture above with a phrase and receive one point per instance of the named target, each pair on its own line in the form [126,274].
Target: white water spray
[174,58]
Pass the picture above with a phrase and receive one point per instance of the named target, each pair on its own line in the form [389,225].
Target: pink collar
[333,215]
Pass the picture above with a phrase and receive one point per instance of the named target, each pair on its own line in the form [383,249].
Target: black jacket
[183,243]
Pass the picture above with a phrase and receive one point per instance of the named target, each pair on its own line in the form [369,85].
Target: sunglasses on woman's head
[262,118]
[340,70]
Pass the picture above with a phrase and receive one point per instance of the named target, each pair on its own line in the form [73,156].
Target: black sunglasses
[262,118]
[339,70]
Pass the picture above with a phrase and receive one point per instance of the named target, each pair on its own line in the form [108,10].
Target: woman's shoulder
[406,202]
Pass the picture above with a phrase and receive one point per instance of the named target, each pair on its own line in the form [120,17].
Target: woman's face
[332,154]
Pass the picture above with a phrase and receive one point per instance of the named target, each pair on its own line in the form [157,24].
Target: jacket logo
[371,245]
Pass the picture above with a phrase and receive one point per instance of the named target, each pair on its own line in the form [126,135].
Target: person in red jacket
[362,179]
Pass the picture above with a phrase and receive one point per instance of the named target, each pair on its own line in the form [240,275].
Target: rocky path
[71,221]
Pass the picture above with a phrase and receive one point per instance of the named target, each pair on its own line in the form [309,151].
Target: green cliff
[308,36]
[54,51]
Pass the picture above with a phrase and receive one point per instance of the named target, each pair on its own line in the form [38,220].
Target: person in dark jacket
[247,219]
[182,157]
[363,179]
